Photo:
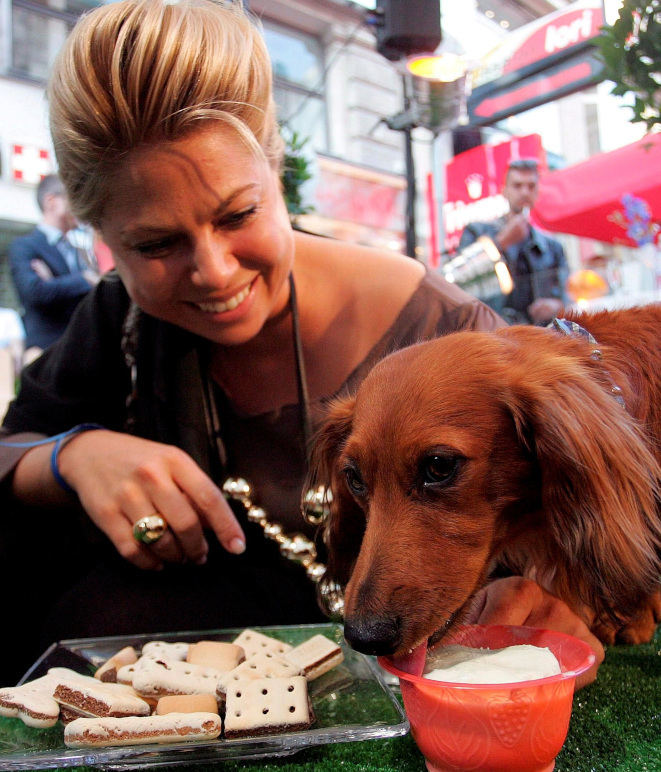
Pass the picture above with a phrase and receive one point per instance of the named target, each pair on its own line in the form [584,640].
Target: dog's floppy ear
[600,486]
[344,529]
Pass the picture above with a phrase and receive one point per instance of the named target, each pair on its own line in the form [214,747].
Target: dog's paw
[643,627]
[605,633]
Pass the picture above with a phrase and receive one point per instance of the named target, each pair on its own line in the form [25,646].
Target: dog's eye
[355,482]
[438,469]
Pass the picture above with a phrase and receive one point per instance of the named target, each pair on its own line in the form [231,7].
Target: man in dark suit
[537,262]
[47,270]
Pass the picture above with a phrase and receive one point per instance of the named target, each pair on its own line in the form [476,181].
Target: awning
[613,197]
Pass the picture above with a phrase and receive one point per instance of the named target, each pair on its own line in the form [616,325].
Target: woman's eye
[438,469]
[355,483]
[156,248]
[237,219]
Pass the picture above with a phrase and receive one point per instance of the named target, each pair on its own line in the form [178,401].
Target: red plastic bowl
[517,727]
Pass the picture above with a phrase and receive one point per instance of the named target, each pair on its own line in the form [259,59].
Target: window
[298,82]
[38,29]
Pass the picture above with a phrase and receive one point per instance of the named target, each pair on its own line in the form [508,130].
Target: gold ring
[148,530]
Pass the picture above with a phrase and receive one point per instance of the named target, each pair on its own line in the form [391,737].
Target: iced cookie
[157,679]
[316,656]
[108,671]
[267,706]
[261,665]
[88,696]
[166,651]
[171,728]
[32,702]
[253,642]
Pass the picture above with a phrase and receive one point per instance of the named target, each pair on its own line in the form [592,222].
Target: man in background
[536,262]
[48,272]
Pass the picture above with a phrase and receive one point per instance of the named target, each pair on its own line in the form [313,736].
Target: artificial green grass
[615,727]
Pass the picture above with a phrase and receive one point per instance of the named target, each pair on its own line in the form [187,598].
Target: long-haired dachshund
[527,448]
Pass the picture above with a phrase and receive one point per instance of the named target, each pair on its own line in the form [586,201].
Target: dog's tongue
[413,662]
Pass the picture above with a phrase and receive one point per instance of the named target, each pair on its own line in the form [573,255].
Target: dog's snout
[375,636]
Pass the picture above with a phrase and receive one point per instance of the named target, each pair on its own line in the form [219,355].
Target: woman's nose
[213,261]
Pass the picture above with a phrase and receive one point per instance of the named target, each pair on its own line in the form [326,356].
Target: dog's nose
[376,636]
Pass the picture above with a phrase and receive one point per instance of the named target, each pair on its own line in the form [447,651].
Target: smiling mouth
[220,306]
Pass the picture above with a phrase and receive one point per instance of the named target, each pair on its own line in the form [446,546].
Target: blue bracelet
[61,441]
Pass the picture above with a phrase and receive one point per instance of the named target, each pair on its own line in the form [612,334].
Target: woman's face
[201,236]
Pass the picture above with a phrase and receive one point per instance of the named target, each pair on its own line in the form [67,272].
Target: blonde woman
[210,352]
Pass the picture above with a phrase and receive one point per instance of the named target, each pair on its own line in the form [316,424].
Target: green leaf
[631,51]
[295,172]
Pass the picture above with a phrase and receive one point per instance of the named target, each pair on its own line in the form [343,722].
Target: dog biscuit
[166,651]
[187,703]
[171,728]
[66,674]
[264,664]
[88,696]
[252,642]
[108,671]
[267,706]
[126,674]
[32,702]
[157,679]
[316,656]
[154,651]
[222,656]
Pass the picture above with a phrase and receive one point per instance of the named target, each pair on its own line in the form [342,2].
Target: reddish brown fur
[555,480]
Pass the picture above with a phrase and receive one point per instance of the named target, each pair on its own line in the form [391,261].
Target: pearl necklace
[315,508]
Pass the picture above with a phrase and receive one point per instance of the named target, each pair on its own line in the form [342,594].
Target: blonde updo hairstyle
[140,72]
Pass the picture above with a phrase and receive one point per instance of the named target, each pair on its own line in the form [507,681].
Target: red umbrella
[614,197]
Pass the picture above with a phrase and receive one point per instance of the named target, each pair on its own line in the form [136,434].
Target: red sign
[29,164]
[555,82]
[559,49]
[560,32]
[473,181]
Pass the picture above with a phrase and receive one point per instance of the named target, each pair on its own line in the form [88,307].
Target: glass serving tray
[352,702]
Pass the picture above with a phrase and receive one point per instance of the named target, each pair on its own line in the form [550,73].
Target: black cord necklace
[315,504]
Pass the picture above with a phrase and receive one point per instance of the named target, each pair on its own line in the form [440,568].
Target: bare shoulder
[373,275]
[349,297]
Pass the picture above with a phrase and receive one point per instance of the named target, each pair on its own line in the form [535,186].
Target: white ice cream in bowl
[493,698]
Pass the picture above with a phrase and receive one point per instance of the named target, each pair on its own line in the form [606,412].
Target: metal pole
[410,179]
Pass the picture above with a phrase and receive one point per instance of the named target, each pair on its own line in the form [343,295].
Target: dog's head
[473,447]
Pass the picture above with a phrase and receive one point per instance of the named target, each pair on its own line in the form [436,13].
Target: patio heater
[435,86]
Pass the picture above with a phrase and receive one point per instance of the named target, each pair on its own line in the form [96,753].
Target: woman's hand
[120,479]
[518,601]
